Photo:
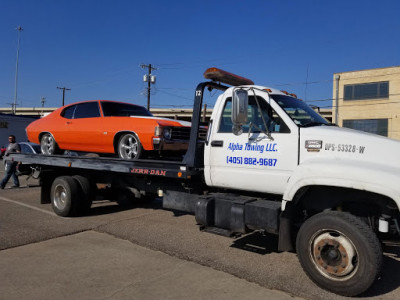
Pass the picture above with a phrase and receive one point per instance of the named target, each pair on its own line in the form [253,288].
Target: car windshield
[115,109]
[302,114]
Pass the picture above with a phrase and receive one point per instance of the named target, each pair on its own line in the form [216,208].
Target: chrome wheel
[48,144]
[129,147]
[60,198]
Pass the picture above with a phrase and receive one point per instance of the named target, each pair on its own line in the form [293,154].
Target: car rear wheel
[48,144]
[129,147]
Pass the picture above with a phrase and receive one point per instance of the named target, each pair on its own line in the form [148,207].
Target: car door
[84,131]
[254,160]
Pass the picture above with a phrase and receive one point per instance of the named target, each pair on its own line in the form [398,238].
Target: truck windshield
[301,114]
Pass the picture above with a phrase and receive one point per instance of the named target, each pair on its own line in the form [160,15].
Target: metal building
[15,125]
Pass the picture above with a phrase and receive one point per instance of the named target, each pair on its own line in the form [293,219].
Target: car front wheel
[129,147]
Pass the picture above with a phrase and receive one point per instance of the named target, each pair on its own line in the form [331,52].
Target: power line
[177,96]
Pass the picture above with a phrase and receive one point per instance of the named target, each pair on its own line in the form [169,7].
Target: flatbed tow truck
[269,163]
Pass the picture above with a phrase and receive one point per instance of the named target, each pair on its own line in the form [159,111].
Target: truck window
[255,115]
[301,114]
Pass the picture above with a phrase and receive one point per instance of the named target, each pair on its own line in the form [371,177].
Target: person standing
[11,166]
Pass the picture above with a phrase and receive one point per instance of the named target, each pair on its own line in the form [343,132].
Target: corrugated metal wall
[11,124]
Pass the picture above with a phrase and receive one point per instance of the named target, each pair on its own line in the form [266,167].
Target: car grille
[183,133]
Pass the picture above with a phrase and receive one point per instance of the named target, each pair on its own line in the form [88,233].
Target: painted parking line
[28,206]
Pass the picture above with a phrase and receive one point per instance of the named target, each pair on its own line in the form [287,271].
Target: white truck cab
[282,145]
[339,188]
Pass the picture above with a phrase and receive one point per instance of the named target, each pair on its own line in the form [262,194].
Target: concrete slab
[92,265]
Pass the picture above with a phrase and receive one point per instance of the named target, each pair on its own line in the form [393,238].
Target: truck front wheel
[339,252]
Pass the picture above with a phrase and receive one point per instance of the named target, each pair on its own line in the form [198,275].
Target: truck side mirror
[240,101]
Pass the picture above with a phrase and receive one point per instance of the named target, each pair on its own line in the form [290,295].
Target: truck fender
[346,173]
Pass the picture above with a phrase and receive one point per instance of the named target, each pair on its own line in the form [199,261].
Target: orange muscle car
[102,126]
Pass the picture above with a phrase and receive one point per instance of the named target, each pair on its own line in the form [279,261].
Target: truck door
[253,160]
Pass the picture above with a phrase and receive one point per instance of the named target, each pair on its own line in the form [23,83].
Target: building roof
[373,69]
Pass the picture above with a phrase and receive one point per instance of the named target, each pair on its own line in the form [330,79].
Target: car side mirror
[240,101]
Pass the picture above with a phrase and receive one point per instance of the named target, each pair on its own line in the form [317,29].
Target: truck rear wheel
[339,252]
[64,196]
[88,195]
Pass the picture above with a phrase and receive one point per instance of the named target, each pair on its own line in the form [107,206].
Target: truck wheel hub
[334,254]
[60,197]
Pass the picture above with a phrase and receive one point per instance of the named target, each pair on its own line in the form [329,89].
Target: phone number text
[238,160]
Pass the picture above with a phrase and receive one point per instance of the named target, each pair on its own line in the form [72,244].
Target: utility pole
[64,89]
[337,78]
[43,101]
[150,79]
[14,105]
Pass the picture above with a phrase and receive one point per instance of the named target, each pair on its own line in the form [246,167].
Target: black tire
[129,147]
[88,194]
[339,252]
[48,145]
[65,193]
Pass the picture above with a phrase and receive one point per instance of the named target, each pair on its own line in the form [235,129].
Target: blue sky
[95,47]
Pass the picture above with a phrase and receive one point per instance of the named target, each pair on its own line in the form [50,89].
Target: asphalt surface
[92,265]
[40,250]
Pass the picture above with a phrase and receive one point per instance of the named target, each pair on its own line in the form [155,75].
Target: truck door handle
[217,143]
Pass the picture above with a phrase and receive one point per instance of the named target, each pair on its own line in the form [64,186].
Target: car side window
[259,115]
[115,109]
[68,112]
[87,110]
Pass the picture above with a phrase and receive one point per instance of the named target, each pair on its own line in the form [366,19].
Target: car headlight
[167,133]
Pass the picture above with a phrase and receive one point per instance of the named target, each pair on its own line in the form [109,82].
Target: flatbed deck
[160,168]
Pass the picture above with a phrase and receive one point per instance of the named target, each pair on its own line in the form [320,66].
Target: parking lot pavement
[46,256]
[92,265]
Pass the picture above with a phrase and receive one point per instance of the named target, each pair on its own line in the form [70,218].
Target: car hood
[166,121]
